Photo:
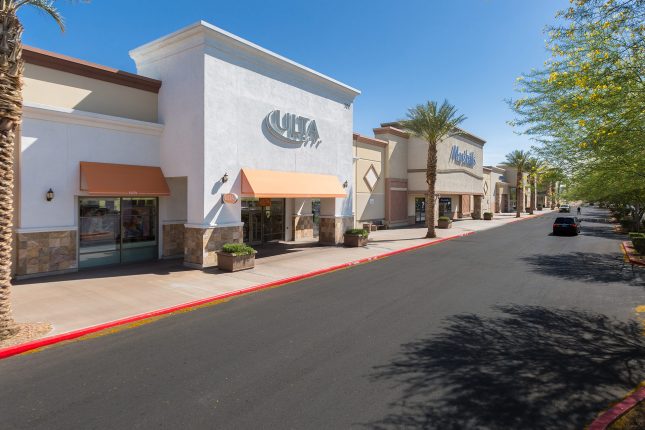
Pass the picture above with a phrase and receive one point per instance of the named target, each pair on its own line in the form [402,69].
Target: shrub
[626,222]
[639,244]
[488,215]
[632,235]
[358,232]
[444,218]
[238,249]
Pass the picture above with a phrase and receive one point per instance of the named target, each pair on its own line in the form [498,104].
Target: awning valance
[271,183]
[105,179]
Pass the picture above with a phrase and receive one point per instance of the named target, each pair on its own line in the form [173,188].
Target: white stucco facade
[53,143]
[232,85]
[198,111]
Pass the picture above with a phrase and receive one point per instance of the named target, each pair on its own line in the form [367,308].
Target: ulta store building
[215,140]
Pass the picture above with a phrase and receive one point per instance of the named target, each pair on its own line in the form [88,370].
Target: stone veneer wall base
[201,244]
[173,240]
[332,229]
[303,226]
[46,253]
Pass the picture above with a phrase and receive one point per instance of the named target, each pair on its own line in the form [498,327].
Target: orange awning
[104,179]
[271,183]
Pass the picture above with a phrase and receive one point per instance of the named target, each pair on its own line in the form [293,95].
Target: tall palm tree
[433,124]
[517,160]
[11,70]
[534,168]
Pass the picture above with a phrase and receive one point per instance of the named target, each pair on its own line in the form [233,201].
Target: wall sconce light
[225,178]
[50,195]
[345,184]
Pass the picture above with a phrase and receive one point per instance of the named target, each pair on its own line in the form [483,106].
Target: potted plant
[488,216]
[355,237]
[236,256]
[476,215]
[444,222]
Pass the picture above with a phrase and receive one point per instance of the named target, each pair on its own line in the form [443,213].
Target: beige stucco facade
[460,177]
[369,164]
[49,87]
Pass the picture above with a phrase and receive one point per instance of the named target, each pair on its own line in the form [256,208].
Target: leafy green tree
[518,160]
[585,107]
[432,123]
[11,71]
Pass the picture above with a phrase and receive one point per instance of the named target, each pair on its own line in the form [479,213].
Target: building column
[333,224]
[302,222]
[201,243]
[477,210]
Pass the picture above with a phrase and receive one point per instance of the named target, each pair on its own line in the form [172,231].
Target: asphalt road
[511,328]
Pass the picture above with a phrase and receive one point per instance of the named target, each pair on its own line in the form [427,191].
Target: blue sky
[398,53]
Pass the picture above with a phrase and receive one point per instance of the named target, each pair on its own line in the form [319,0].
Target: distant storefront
[399,159]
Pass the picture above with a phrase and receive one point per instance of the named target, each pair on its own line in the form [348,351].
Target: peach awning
[105,179]
[271,183]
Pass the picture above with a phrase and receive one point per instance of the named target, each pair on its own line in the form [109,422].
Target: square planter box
[233,262]
[354,240]
[444,224]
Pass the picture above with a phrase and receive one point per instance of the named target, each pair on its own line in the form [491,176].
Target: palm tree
[433,124]
[534,168]
[11,70]
[517,160]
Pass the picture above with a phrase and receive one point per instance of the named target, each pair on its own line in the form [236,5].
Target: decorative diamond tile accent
[371,177]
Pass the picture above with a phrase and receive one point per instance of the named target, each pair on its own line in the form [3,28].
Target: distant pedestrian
[578,210]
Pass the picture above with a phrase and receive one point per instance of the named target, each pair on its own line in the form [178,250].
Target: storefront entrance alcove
[114,230]
[420,210]
[445,206]
[263,220]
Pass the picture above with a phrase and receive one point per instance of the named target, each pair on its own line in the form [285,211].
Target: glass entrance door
[263,220]
[115,230]
[419,209]
[273,222]
[99,232]
[252,219]
[445,206]
[315,210]
[139,229]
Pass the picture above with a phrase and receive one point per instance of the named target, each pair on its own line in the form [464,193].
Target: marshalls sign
[464,158]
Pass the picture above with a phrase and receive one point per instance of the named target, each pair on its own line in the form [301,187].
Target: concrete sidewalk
[84,299]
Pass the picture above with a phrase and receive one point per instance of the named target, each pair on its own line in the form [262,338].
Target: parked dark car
[565,208]
[566,225]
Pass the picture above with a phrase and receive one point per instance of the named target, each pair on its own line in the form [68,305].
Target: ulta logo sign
[462,158]
[292,128]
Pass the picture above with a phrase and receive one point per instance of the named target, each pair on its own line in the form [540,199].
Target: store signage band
[464,158]
[292,128]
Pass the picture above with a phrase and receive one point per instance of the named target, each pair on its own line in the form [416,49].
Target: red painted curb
[604,420]
[39,343]
[630,257]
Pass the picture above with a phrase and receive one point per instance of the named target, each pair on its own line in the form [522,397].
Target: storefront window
[263,220]
[445,206]
[117,230]
[99,232]
[139,227]
[419,209]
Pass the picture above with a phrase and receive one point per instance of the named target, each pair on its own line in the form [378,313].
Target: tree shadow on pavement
[529,368]
[581,266]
